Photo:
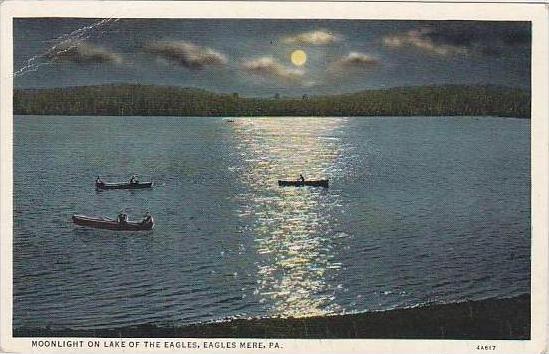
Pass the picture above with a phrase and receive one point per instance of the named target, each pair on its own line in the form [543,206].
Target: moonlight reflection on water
[294,228]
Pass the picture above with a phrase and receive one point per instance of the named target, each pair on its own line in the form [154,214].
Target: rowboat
[299,183]
[126,185]
[111,224]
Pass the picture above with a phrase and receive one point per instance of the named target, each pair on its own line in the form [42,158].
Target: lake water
[419,210]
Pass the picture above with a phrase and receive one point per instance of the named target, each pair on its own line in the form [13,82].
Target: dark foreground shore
[486,319]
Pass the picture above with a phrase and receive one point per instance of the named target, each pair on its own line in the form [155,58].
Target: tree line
[152,100]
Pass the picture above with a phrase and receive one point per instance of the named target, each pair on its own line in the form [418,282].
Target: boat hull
[105,186]
[317,183]
[110,224]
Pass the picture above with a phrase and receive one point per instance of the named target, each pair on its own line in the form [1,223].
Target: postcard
[276,177]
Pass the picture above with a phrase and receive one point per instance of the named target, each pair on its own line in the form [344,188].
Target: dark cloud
[81,52]
[186,54]
[468,34]
[450,38]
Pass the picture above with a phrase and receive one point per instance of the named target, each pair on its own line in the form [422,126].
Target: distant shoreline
[151,100]
[494,319]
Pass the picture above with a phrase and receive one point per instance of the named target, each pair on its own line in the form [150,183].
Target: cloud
[186,54]
[268,67]
[451,38]
[319,37]
[81,52]
[62,43]
[421,39]
[356,60]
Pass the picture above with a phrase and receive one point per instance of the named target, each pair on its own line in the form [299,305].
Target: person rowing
[147,219]
[98,180]
[122,218]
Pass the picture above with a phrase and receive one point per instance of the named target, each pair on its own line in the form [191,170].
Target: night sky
[254,57]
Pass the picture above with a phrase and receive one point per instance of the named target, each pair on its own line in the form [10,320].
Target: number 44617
[486,347]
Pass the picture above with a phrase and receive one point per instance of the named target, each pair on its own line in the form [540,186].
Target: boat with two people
[134,183]
[302,182]
[121,223]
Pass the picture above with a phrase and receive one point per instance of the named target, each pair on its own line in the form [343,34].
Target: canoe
[311,183]
[111,224]
[126,185]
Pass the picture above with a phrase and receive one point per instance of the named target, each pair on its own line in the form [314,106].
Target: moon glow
[298,57]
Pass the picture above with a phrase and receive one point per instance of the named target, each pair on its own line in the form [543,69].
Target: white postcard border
[537,13]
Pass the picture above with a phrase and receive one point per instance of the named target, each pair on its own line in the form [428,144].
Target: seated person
[122,218]
[147,219]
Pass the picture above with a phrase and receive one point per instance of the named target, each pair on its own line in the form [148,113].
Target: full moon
[298,57]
